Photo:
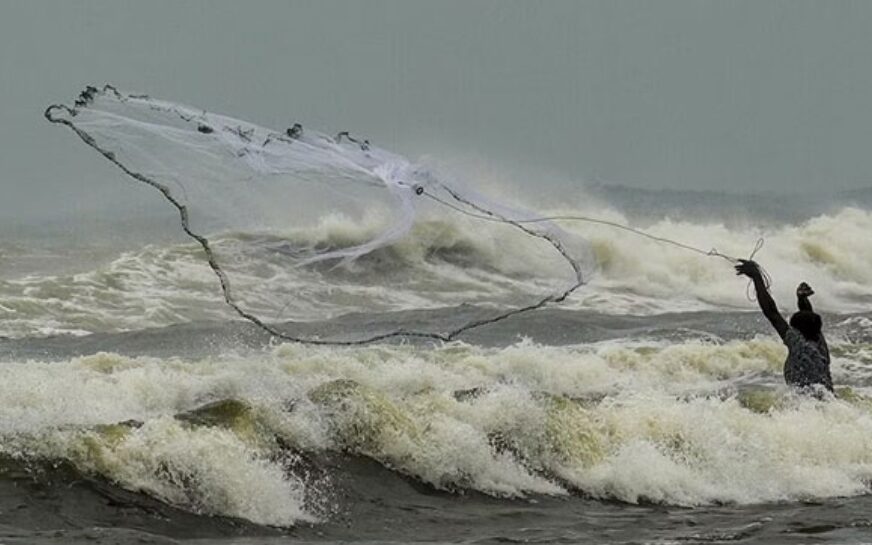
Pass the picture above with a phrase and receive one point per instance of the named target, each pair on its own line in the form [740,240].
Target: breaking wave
[691,423]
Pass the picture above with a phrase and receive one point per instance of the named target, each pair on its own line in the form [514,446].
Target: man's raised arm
[767,304]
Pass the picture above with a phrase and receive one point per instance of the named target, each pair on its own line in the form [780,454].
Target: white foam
[828,252]
[627,421]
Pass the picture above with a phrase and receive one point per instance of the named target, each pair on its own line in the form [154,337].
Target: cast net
[244,193]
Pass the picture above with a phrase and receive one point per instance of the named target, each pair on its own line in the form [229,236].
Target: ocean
[649,407]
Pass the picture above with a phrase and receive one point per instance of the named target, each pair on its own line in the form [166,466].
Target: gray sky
[737,96]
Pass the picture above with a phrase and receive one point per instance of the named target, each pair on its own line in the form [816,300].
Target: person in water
[808,357]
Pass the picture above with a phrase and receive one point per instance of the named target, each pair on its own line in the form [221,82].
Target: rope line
[713,252]
[708,253]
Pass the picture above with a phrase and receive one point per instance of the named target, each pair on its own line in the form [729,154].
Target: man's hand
[804,290]
[748,268]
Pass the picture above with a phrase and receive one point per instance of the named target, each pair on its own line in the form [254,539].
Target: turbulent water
[647,408]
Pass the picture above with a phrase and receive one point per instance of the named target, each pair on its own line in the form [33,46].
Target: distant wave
[447,261]
[828,251]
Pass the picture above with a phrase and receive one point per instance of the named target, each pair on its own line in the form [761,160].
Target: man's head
[808,323]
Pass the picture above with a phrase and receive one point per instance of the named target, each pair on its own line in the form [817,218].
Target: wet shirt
[808,362]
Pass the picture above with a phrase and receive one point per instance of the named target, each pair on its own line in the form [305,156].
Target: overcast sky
[737,96]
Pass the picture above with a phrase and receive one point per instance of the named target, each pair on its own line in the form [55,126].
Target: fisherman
[808,358]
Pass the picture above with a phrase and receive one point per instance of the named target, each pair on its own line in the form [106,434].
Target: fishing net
[244,193]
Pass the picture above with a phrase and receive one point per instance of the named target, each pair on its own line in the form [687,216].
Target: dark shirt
[808,362]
